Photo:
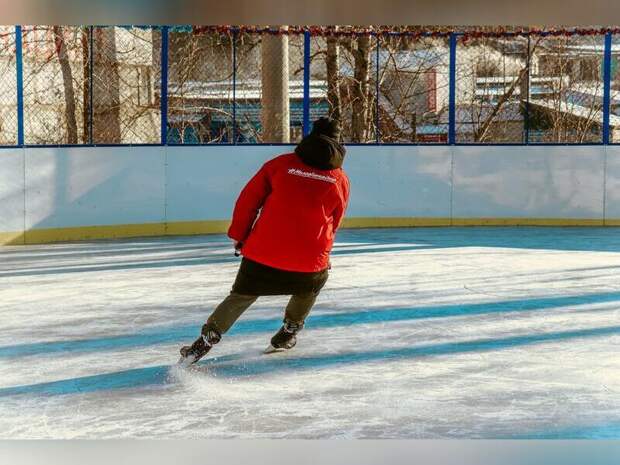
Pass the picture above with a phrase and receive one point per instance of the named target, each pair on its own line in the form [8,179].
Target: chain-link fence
[107,85]
[269,87]
[491,90]
[614,100]
[414,89]
[54,63]
[566,91]
[343,75]
[200,87]
[8,87]
[126,81]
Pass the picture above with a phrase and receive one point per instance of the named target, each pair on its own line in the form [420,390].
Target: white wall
[71,187]
[12,190]
[529,182]
[612,183]
[85,186]
[203,182]
[412,181]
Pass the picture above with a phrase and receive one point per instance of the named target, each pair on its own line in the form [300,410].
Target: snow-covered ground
[419,333]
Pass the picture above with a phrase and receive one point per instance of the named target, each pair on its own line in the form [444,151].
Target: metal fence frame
[451,140]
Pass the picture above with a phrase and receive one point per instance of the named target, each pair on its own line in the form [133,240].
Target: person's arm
[250,201]
[341,208]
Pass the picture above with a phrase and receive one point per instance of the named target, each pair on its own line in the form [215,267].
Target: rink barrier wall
[45,236]
[56,194]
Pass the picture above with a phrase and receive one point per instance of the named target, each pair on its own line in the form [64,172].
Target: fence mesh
[414,89]
[200,87]
[296,86]
[8,87]
[54,60]
[344,69]
[566,94]
[126,85]
[614,101]
[491,90]
[102,85]
[265,63]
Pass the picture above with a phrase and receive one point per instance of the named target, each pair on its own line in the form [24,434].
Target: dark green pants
[233,306]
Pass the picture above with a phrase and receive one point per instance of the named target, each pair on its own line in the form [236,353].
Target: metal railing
[182,85]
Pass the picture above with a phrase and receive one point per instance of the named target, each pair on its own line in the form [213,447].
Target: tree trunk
[275,113]
[414,127]
[332,62]
[87,84]
[360,89]
[106,88]
[67,79]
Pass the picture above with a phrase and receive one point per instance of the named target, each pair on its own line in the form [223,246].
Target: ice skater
[283,224]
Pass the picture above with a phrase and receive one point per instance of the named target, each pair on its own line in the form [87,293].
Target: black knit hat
[326,127]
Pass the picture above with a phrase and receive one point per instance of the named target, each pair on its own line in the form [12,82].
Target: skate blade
[185,362]
[272,350]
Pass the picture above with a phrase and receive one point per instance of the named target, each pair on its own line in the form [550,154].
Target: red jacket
[301,208]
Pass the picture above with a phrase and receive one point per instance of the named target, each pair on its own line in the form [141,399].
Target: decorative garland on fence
[346,31]
[351,31]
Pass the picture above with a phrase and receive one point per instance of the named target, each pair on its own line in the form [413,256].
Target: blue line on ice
[230,367]
[186,333]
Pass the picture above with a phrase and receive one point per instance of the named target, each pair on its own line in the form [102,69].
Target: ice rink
[419,333]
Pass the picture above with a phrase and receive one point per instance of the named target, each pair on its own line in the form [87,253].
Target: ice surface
[419,333]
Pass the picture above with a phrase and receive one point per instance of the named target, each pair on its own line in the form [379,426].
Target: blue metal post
[606,87]
[19,65]
[452,90]
[234,57]
[164,85]
[377,131]
[306,121]
[91,85]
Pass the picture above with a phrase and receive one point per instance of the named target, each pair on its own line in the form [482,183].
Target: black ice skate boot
[200,347]
[285,338]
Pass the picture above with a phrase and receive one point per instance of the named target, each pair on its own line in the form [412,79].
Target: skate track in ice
[419,333]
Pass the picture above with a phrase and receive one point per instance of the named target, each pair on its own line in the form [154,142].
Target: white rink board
[529,182]
[204,182]
[11,190]
[393,181]
[86,186]
[612,183]
[82,186]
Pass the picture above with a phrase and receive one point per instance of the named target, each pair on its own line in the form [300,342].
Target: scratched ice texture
[419,333]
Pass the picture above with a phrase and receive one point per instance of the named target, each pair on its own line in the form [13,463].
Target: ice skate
[199,348]
[285,338]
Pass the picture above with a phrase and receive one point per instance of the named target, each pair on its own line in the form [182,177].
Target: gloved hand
[237,245]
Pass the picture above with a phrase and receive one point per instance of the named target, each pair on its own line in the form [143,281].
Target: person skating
[283,224]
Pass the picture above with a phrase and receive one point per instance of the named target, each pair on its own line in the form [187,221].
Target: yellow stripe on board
[11,238]
[526,222]
[43,236]
[393,222]
[189,228]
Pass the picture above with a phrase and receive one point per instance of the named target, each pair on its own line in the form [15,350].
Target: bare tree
[412,75]
[106,88]
[576,109]
[360,107]
[332,61]
[481,133]
[65,67]
[86,53]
